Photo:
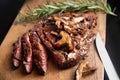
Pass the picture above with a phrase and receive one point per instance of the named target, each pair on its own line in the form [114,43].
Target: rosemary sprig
[68,6]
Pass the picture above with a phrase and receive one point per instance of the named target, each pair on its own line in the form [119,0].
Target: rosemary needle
[63,7]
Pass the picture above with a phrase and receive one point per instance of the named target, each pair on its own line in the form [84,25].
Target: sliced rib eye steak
[17,53]
[27,56]
[67,37]
[39,52]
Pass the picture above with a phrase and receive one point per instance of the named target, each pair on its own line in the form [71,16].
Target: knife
[109,67]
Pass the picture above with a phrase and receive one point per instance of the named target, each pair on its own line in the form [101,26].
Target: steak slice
[27,49]
[68,36]
[17,53]
[39,52]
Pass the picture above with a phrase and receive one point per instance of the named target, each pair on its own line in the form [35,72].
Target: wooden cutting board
[53,73]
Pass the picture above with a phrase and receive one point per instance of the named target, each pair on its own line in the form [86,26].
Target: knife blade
[108,65]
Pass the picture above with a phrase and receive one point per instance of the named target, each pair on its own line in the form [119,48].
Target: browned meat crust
[66,36]
[39,52]
[27,57]
[17,53]
[85,35]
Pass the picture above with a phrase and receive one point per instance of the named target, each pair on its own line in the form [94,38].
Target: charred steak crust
[39,52]
[27,56]
[60,56]
[17,53]
[81,30]
[66,36]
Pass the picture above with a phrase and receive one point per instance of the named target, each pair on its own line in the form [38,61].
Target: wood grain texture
[53,73]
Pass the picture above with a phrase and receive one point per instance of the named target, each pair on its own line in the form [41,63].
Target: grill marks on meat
[39,52]
[27,57]
[17,53]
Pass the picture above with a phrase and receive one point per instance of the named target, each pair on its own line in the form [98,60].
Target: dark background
[10,8]
[113,35]
[8,12]
[113,40]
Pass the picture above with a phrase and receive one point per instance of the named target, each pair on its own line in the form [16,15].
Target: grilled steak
[39,52]
[27,57]
[17,53]
[68,36]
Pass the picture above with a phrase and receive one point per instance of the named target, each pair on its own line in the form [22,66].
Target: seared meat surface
[27,57]
[17,53]
[39,52]
[66,37]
